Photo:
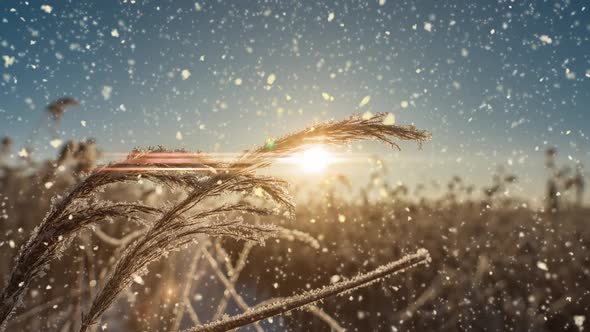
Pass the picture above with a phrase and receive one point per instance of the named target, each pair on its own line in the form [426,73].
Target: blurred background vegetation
[498,263]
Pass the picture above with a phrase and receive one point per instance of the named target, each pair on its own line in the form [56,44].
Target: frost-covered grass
[496,263]
[284,305]
[505,267]
[204,210]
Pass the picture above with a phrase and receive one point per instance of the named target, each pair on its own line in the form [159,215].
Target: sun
[314,159]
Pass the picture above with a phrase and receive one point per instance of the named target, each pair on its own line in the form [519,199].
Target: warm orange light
[314,159]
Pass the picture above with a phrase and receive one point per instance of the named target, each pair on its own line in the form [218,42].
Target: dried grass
[172,227]
[306,298]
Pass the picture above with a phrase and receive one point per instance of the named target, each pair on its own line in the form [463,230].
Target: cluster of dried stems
[285,305]
[181,223]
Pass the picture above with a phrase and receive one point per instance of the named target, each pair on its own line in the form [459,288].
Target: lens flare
[315,159]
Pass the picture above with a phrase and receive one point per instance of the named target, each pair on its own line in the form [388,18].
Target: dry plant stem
[122,242]
[436,286]
[222,256]
[234,272]
[188,285]
[47,242]
[77,301]
[233,278]
[162,237]
[321,314]
[58,227]
[229,287]
[35,311]
[333,133]
[192,313]
[298,301]
[314,310]
[175,229]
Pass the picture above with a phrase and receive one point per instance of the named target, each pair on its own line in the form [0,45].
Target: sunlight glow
[315,159]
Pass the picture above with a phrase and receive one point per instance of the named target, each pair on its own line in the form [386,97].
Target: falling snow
[174,93]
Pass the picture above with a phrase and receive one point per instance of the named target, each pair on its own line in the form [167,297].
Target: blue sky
[495,82]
